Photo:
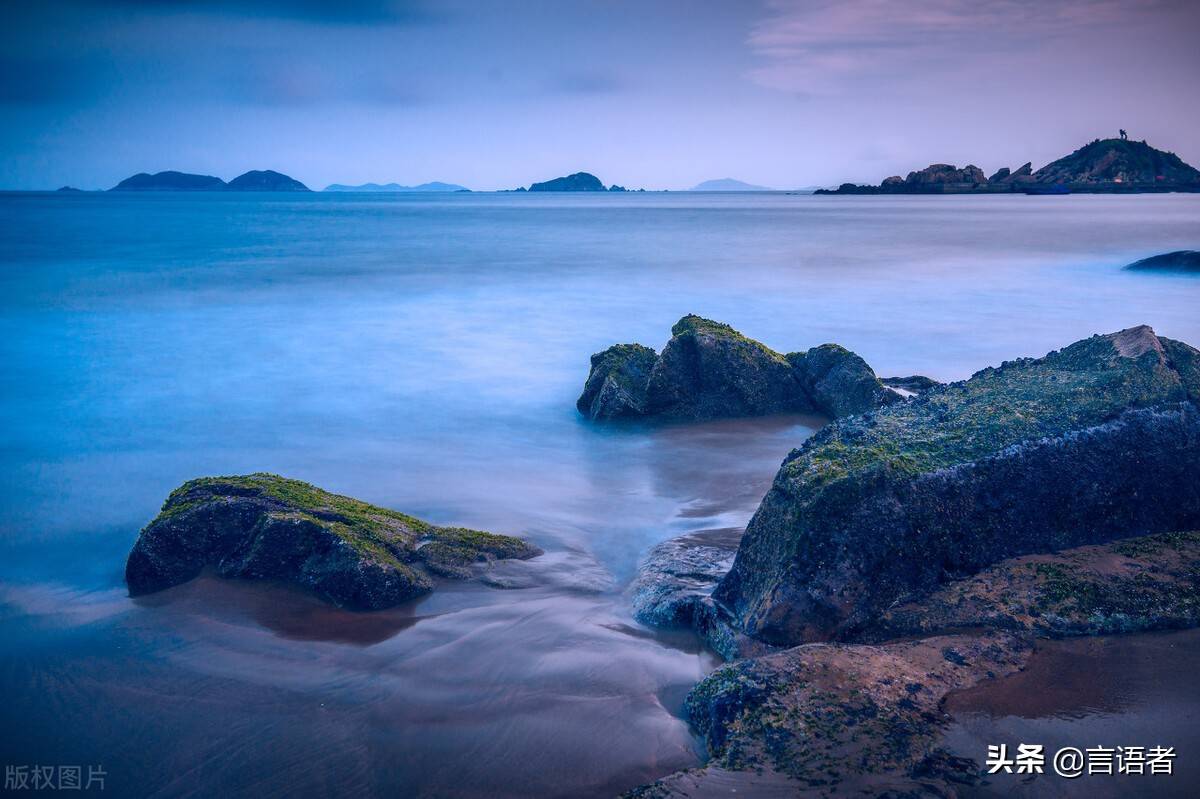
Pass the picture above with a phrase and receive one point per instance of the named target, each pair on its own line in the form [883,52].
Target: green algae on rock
[837,719]
[263,526]
[708,370]
[1129,585]
[616,384]
[1096,441]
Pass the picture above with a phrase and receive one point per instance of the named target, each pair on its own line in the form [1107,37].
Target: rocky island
[1178,261]
[384,188]
[927,546]
[254,180]
[1107,166]
[170,181]
[350,553]
[265,180]
[708,370]
[579,181]
[727,184]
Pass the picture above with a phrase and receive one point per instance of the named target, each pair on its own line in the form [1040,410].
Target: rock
[263,526]
[680,572]
[894,180]
[969,175]
[580,181]
[1178,261]
[673,587]
[265,180]
[616,384]
[170,181]
[1097,441]
[838,382]
[1004,176]
[1131,585]
[708,370]
[914,384]
[69,189]
[865,718]
[837,719]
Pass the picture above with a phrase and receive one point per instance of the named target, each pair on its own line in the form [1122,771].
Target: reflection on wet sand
[1136,690]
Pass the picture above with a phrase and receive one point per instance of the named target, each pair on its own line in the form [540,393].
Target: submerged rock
[616,385]
[1178,261]
[1091,443]
[708,370]
[262,526]
[678,574]
[674,584]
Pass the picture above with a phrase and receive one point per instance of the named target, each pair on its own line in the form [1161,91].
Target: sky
[644,93]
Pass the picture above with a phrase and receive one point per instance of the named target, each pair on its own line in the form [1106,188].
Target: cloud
[822,47]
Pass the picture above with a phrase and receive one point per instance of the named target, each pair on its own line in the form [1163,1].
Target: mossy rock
[263,526]
[708,370]
[1097,441]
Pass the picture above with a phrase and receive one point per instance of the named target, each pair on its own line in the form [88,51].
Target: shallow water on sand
[425,352]
[1110,692]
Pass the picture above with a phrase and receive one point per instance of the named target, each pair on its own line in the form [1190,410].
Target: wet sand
[1136,690]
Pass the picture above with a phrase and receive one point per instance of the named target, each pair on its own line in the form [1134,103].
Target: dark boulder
[678,574]
[263,526]
[708,370]
[616,384]
[1096,441]
[839,382]
[1178,261]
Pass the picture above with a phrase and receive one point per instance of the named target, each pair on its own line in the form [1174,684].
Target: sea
[424,352]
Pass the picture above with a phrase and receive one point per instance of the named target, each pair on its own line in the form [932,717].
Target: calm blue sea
[425,352]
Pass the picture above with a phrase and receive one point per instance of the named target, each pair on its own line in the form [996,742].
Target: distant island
[396,187]
[254,180]
[265,180]
[1104,166]
[727,184]
[579,181]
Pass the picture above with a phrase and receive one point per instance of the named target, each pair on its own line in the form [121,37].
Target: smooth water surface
[425,352]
